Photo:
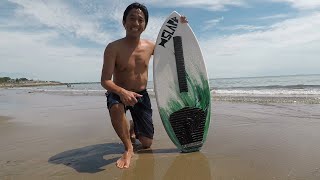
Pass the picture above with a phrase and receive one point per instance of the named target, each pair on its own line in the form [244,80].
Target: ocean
[269,89]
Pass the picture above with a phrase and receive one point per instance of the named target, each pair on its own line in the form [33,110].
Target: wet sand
[45,136]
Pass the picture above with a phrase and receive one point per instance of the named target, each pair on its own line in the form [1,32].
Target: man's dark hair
[136,6]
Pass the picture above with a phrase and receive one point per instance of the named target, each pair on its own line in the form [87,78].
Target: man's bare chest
[132,61]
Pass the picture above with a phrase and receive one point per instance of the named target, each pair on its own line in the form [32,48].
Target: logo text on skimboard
[168,31]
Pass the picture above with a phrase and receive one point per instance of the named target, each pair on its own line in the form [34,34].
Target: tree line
[9,80]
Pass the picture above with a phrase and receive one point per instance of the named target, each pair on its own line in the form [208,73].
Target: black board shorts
[141,113]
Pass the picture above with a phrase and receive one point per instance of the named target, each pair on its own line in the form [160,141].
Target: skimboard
[181,85]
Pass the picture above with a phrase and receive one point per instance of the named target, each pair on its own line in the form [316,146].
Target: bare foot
[124,161]
[132,134]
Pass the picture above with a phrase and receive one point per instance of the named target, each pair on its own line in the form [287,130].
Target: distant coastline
[30,84]
[7,82]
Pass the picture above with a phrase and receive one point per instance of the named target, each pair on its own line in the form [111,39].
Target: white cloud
[62,62]
[28,52]
[153,28]
[211,23]
[243,27]
[62,17]
[276,16]
[261,51]
[205,4]
[286,47]
[302,4]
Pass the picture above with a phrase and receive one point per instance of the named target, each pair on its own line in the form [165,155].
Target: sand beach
[58,136]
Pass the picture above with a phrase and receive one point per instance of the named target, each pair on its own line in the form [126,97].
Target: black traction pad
[188,125]
[181,71]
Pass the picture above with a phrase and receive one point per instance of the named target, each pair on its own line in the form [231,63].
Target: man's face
[135,22]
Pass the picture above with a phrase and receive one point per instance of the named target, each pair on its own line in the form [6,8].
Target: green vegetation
[24,82]
[9,80]
[4,79]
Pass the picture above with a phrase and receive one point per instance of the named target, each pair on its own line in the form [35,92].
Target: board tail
[188,125]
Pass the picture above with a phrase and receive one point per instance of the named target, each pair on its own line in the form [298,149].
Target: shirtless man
[127,60]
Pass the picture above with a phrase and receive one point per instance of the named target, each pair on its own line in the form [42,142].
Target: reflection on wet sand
[156,164]
[142,166]
[189,166]
[5,118]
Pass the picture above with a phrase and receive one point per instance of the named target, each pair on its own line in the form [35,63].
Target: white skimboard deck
[181,85]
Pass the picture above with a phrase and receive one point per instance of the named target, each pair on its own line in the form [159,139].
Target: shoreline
[302,99]
[256,99]
[234,98]
[30,84]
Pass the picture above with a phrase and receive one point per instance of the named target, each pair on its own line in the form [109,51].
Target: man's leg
[132,134]
[120,125]
[142,117]
[146,142]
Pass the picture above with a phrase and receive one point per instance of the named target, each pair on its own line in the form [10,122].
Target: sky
[64,40]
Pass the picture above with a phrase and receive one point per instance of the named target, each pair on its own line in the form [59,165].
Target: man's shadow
[90,159]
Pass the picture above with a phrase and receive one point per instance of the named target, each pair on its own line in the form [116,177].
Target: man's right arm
[109,61]
[110,56]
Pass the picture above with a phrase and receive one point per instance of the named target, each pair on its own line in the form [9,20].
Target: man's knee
[145,142]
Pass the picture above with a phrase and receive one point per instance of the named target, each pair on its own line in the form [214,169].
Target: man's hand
[129,98]
[183,19]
